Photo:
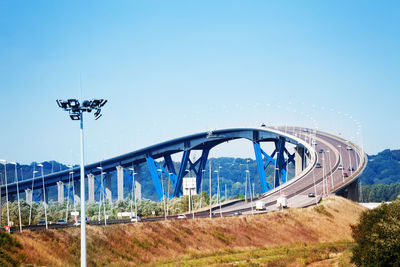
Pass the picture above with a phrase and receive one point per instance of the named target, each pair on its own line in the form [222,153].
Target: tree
[378,236]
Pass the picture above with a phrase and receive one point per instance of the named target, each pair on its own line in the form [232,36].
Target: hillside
[382,168]
[174,241]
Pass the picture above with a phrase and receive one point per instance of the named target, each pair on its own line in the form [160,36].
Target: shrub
[377,237]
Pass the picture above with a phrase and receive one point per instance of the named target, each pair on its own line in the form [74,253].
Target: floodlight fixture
[76,109]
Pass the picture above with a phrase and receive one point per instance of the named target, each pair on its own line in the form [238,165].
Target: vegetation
[145,207]
[380,192]
[383,168]
[298,236]
[332,253]
[377,236]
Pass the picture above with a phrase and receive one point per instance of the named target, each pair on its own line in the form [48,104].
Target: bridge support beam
[120,182]
[60,189]
[90,188]
[107,186]
[299,159]
[138,190]
[28,195]
[261,166]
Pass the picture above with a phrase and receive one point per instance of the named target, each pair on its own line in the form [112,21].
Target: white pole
[69,190]
[19,207]
[5,175]
[134,182]
[325,190]
[169,176]
[162,186]
[104,198]
[209,165]
[44,198]
[190,196]
[330,166]
[31,200]
[351,169]
[83,210]
[251,196]
[315,187]
[218,194]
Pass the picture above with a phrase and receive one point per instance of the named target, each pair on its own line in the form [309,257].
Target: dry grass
[141,243]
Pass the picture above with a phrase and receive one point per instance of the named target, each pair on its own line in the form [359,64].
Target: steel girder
[168,169]
[280,174]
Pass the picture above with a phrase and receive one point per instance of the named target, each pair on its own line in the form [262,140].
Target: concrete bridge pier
[138,185]
[120,182]
[28,195]
[60,188]
[90,188]
[138,190]
[299,159]
[107,186]
[351,191]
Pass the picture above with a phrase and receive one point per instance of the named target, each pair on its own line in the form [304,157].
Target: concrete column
[60,189]
[107,186]
[77,191]
[138,190]
[90,188]
[28,195]
[298,159]
[120,182]
[77,200]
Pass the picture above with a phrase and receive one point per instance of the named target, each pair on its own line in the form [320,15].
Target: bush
[378,237]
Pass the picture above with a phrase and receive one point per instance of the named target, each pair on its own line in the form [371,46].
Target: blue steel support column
[170,164]
[154,175]
[182,172]
[202,166]
[280,172]
[260,166]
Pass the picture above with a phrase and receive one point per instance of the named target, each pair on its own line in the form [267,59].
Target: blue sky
[171,68]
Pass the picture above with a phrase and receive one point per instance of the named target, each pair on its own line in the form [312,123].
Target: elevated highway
[321,161]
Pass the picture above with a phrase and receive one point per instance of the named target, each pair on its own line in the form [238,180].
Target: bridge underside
[351,191]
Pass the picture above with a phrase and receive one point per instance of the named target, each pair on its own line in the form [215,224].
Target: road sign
[74,213]
[7,228]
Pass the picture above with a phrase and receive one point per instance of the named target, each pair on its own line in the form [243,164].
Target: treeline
[383,168]
[380,192]
[95,211]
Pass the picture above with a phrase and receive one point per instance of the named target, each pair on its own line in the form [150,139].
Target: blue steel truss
[168,169]
[280,163]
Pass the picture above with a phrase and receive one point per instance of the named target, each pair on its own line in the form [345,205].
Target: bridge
[320,162]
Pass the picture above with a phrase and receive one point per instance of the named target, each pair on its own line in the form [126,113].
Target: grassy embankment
[319,235]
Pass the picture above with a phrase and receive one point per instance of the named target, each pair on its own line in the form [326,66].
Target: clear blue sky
[171,68]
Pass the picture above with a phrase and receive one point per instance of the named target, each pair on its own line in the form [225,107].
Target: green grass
[278,256]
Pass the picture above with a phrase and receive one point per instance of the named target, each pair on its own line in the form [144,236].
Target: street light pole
[209,165]
[76,110]
[19,206]
[31,196]
[5,175]
[330,166]
[44,197]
